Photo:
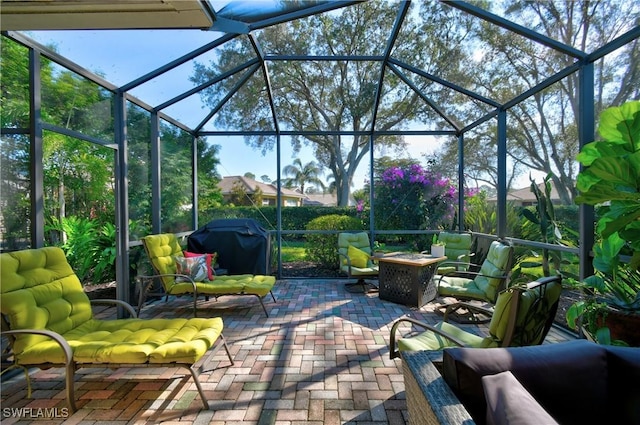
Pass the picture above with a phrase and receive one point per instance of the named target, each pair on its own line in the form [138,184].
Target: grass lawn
[293,251]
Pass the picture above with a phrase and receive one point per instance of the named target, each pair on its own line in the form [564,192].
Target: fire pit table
[406,278]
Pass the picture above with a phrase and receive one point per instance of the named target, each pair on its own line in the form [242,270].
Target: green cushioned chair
[482,283]
[162,250]
[522,316]
[48,321]
[359,240]
[457,248]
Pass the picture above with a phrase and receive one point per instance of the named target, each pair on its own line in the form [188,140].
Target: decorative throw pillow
[211,262]
[509,402]
[358,257]
[194,267]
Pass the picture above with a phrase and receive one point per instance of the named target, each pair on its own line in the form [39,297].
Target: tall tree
[14,150]
[543,130]
[77,175]
[326,95]
[301,174]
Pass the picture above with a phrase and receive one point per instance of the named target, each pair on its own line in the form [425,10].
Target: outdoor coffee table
[406,278]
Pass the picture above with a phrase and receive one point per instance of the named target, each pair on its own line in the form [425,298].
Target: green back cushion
[533,312]
[500,317]
[359,240]
[456,244]
[161,250]
[40,291]
[493,267]
[533,315]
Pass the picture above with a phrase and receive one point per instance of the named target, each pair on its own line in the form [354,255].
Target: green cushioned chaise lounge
[48,320]
[162,250]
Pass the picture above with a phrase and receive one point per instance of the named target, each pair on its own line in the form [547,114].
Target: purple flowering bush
[413,198]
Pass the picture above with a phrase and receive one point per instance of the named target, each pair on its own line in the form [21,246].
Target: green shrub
[323,248]
[90,247]
[79,243]
[105,261]
[293,218]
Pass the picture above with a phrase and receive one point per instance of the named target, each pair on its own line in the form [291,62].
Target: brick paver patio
[321,357]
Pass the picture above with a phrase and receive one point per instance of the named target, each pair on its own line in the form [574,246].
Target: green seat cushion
[135,341]
[429,340]
[365,271]
[493,268]
[446,269]
[454,286]
[259,285]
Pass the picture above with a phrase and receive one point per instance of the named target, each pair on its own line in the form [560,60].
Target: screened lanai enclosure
[121,119]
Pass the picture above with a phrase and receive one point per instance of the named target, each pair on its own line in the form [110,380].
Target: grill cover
[242,244]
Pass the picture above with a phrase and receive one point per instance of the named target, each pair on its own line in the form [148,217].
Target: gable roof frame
[583,65]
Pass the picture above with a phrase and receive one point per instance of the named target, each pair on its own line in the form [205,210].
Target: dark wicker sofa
[576,382]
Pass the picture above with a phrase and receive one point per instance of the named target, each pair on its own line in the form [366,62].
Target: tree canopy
[543,130]
[338,96]
[326,95]
[79,175]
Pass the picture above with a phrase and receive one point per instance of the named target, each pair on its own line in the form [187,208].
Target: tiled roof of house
[526,195]
[249,185]
[321,199]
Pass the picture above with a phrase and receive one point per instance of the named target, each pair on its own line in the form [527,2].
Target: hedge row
[297,218]
[293,218]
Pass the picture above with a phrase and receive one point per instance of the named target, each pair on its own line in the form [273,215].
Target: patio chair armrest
[346,257]
[461,256]
[147,280]
[64,345]
[468,274]
[116,303]
[393,351]
[460,268]
[472,308]
[150,278]
[453,273]
[153,276]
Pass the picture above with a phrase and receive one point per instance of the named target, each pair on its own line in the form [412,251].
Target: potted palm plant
[610,179]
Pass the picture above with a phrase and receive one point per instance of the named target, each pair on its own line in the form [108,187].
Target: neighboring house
[290,198]
[320,200]
[525,197]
